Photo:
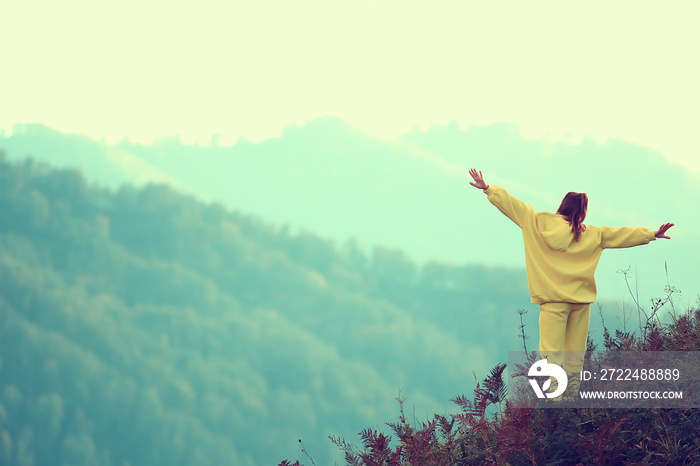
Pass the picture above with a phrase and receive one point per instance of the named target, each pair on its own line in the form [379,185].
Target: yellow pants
[563,334]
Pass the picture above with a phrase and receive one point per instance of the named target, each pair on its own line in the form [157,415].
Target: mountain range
[411,193]
[174,304]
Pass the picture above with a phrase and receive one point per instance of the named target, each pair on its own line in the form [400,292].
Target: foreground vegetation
[493,429]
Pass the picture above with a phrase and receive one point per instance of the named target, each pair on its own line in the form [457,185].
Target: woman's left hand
[478,179]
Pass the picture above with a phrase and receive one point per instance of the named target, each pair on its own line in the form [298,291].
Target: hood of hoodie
[555,230]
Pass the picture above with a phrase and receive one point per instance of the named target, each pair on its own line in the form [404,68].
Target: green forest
[140,326]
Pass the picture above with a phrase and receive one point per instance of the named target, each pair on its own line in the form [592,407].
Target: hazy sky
[150,69]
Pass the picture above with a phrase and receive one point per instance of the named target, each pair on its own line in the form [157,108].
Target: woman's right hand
[478,179]
[661,232]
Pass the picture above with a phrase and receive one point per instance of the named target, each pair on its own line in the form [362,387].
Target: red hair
[574,207]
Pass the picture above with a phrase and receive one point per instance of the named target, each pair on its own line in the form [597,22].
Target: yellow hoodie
[560,269]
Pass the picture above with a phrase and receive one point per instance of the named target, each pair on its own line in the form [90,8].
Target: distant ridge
[106,164]
[411,193]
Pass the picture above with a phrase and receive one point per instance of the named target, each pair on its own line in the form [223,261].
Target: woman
[561,255]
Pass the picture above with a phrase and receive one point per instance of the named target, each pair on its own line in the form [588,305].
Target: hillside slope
[141,326]
[412,193]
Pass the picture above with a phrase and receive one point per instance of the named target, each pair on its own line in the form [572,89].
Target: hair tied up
[574,207]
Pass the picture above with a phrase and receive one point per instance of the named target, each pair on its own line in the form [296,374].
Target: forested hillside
[411,193]
[140,326]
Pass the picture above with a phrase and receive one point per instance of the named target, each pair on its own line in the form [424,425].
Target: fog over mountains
[412,193]
[142,326]
[175,328]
